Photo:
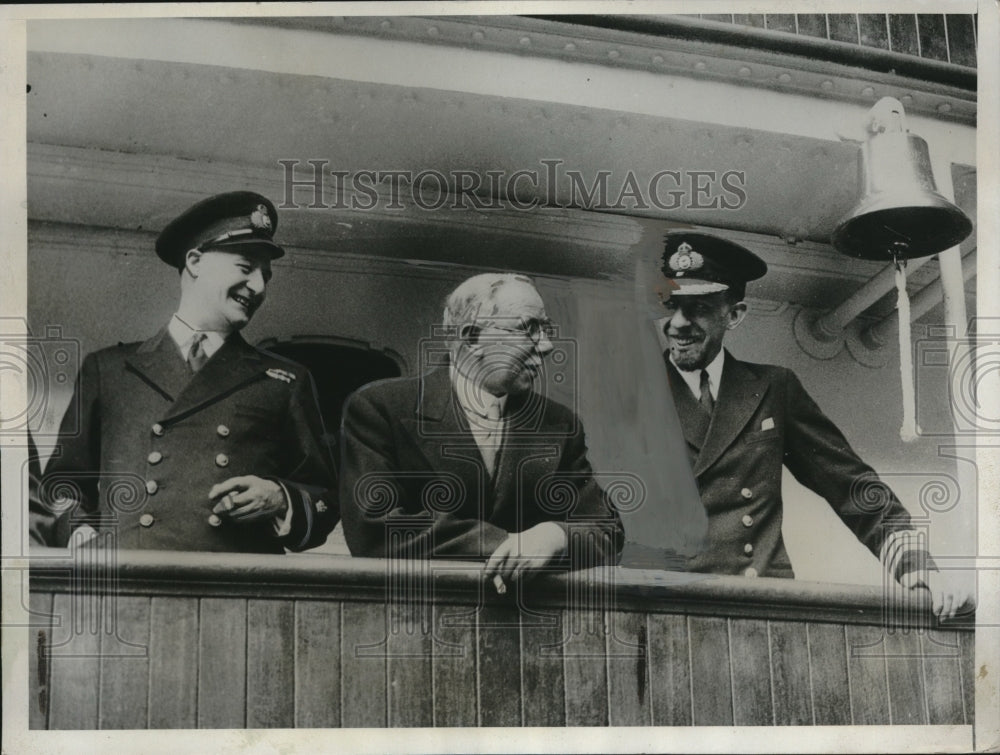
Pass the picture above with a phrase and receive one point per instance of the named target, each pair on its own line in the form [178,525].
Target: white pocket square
[767,424]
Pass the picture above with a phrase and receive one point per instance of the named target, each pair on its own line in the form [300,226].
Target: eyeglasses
[534,329]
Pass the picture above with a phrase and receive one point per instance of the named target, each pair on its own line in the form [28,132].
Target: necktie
[705,400]
[197,356]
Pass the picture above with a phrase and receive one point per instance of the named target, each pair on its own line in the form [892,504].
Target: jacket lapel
[235,364]
[694,420]
[159,363]
[441,432]
[527,436]
[740,392]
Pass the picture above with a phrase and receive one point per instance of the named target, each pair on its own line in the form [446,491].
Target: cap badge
[260,218]
[685,259]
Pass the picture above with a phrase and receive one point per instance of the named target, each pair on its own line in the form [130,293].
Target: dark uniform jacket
[413,482]
[764,418]
[144,440]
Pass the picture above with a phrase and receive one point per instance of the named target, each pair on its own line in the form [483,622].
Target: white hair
[476,299]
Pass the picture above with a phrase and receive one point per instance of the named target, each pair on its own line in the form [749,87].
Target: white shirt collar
[475,402]
[182,334]
[693,377]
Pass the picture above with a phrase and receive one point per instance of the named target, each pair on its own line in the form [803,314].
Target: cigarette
[498,583]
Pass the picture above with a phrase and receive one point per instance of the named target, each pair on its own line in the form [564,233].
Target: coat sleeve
[67,493]
[819,456]
[379,519]
[310,480]
[593,526]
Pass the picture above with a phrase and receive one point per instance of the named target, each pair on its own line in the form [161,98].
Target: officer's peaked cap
[234,222]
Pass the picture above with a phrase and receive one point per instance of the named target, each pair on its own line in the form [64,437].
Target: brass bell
[900,214]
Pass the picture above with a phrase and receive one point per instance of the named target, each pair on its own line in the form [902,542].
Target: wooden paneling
[498,643]
[907,704]
[76,644]
[670,670]
[39,664]
[317,664]
[475,659]
[363,647]
[942,677]
[585,668]
[454,666]
[867,675]
[711,682]
[751,673]
[409,665]
[968,667]
[543,683]
[790,674]
[270,664]
[173,663]
[222,663]
[124,690]
[629,702]
[831,696]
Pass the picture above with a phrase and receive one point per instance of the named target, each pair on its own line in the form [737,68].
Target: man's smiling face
[228,287]
[696,326]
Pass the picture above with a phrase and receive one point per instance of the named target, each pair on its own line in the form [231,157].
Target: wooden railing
[160,640]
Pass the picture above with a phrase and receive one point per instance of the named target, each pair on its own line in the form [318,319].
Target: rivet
[826,85]
[868,91]
[785,78]
[944,107]
[524,41]
[700,65]
[657,59]
[745,71]
[613,54]
[432,31]
[569,47]
[478,36]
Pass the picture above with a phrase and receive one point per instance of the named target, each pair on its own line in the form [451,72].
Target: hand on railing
[951,592]
[523,553]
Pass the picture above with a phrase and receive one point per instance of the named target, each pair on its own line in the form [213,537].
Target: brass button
[157,429]
[746,493]
[222,460]
[155,457]
[747,520]
[152,486]
[146,520]
[748,548]
[750,572]
[222,430]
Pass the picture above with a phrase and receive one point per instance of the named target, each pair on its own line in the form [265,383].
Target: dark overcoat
[763,419]
[413,482]
[143,441]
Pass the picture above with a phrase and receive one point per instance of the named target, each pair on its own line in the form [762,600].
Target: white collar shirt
[693,377]
[183,336]
[484,412]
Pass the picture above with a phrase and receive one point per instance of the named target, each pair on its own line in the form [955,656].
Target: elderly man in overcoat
[469,461]
[193,439]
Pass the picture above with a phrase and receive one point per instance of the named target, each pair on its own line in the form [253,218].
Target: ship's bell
[900,214]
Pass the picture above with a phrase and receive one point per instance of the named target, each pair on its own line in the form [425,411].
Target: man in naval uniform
[195,440]
[743,421]
[468,461]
